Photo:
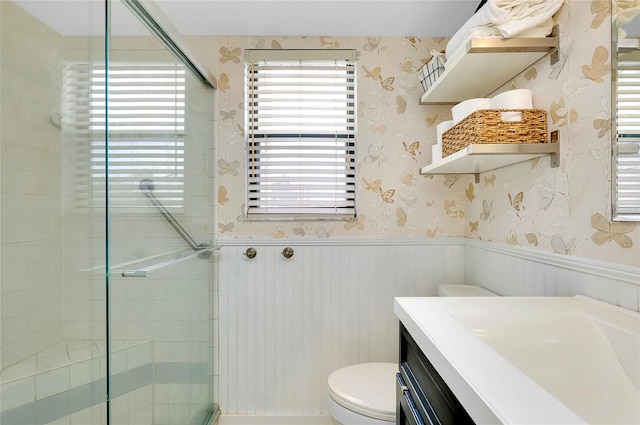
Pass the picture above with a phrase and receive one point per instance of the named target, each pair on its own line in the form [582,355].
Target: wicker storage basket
[486,126]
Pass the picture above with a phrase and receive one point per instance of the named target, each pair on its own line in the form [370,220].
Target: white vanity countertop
[532,360]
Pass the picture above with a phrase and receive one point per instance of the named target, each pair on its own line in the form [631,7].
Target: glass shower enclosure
[105,219]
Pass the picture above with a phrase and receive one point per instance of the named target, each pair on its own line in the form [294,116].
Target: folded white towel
[527,15]
[481,21]
[507,18]
[541,30]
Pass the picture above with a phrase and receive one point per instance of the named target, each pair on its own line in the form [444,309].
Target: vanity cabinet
[422,396]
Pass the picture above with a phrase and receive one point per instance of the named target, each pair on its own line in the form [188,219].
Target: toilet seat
[367,389]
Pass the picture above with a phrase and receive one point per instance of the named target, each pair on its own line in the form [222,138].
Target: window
[301,109]
[627,146]
[146,133]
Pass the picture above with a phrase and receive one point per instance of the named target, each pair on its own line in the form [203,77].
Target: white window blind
[301,133]
[627,173]
[146,128]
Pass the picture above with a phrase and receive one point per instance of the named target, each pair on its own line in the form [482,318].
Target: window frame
[307,201]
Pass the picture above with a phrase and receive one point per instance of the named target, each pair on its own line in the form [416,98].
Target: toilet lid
[367,388]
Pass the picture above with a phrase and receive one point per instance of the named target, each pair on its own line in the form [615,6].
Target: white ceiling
[390,18]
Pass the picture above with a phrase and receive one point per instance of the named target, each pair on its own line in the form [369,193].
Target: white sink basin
[589,365]
[582,353]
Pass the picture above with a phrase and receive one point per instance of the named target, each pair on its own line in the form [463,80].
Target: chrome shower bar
[147,186]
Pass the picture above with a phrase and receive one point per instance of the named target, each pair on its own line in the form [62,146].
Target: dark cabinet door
[434,401]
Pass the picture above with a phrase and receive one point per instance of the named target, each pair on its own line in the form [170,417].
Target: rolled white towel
[436,153]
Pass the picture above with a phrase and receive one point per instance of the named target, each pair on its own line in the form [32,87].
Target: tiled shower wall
[31,267]
[66,385]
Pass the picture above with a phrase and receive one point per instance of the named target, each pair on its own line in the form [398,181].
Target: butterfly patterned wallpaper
[394,140]
[565,210]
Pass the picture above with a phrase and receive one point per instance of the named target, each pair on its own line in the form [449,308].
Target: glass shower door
[80,343]
[158,165]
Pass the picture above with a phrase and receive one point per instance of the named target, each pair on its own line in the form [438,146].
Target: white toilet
[365,393]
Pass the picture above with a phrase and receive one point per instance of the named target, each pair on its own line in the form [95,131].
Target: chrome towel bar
[144,272]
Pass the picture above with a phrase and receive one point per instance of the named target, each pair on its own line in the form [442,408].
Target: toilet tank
[464,291]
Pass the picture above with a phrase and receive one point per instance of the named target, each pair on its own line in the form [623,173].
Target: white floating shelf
[486,65]
[478,158]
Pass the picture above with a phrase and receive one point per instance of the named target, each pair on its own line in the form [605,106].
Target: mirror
[625,90]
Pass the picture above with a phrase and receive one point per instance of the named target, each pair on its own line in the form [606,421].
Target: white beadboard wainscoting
[514,271]
[286,324]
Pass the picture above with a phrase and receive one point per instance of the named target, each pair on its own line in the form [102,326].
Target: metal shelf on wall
[478,158]
[485,65]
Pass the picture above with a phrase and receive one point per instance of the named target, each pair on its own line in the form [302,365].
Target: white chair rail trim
[619,272]
[341,242]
